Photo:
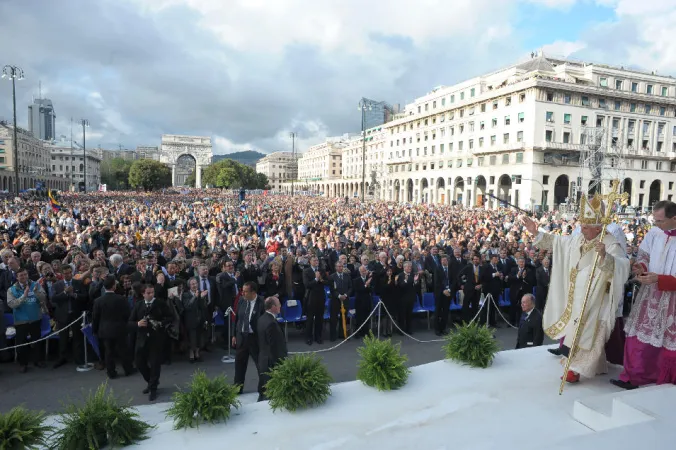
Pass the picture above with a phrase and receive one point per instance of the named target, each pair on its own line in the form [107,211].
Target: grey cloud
[164,75]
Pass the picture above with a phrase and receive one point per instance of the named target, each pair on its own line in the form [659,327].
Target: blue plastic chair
[46,330]
[429,306]
[455,303]
[327,309]
[291,314]
[350,314]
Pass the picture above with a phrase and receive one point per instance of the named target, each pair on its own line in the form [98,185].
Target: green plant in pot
[298,382]
[205,400]
[21,428]
[471,344]
[382,365]
[99,422]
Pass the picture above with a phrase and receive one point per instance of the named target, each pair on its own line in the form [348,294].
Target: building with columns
[68,163]
[279,167]
[521,134]
[322,164]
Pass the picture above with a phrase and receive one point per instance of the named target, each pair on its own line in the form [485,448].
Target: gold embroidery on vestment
[560,324]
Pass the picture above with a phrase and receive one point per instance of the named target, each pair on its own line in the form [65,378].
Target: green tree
[148,174]
[115,173]
[230,174]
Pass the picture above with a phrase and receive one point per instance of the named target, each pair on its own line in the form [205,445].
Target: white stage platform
[512,405]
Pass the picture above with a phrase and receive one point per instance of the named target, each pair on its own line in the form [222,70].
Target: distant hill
[248,157]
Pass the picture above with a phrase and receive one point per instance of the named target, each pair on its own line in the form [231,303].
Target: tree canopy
[148,174]
[115,173]
[230,174]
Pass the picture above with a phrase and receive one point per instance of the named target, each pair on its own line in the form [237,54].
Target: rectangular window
[483,107]
[505,158]
[566,137]
[663,111]
[550,96]
[434,104]
[618,84]
[471,144]
[508,101]
[452,98]
[495,104]
[443,101]
[665,91]
[549,135]
[634,86]
[522,98]
[521,117]
[462,96]
[494,123]
[602,103]
[519,136]
[566,119]
[648,109]
[618,105]
[493,139]
[507,120]
[519,157]
[545,179]
[550,116]
[482,125]
[583,120]
[471,92]
[603,82]
[492,160]
[460,146]
[649,89]
[566,98]
[481,142]
[480,161]
[632,107]
[585,100]
[441,148]
[427,106]
[450,147]
[505,138]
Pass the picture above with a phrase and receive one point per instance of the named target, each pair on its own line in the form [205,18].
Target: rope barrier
[54,333]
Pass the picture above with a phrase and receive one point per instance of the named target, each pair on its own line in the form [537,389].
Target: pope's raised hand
[530,225]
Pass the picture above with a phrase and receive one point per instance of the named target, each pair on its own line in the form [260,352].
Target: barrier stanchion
[378,314]
[87,366]
[228,359]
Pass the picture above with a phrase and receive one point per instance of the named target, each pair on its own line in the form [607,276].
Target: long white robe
[653,315]
[571,269]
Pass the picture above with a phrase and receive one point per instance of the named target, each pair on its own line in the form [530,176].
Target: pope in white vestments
[572,261]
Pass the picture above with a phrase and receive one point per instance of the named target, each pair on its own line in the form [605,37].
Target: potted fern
[101,421]
[205,400]
[297,382]
[382,365]
[23,429]
[471,344]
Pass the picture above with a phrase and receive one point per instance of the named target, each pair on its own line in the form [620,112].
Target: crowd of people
[180,260]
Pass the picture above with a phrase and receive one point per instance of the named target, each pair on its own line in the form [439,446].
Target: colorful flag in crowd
[55,205]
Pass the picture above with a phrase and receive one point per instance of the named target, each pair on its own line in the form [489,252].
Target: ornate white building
[175,147]
[69,164]
[322,163]
[279,167]
[520,134]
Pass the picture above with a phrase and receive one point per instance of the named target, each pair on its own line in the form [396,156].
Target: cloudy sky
[247,72]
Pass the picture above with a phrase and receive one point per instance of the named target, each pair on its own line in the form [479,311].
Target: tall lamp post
[14,72]
[293,158]
[364,105]
[532,199]
[85,124]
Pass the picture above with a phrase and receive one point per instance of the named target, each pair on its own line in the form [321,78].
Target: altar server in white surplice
[572,261]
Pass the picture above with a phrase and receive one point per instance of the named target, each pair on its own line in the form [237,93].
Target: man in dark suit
[505,263]
[433,262]
[109,323]
[442,296]
[226,283]
[522,280]
[314,280]
[407,284]
[470,283]
[205,282]
[362,287]
[271,343]
[144,272]
[119,266]
[244,337]
[530,325]
[491,280]
[341,291]
[70,299]
[542,288]
[455,265]
[150,318]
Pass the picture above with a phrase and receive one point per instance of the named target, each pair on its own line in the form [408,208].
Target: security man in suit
[491,279]
[109,323]
[522,279]
[150,318]
[271,343]
[442,296]
[244,337]
[314,280]
[470,281]
[341,291]
[70,299]
[530,326]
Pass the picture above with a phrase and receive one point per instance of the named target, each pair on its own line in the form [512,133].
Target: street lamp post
[364,105]
[14,72]
[534,181]
[85,124]
[293,159]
